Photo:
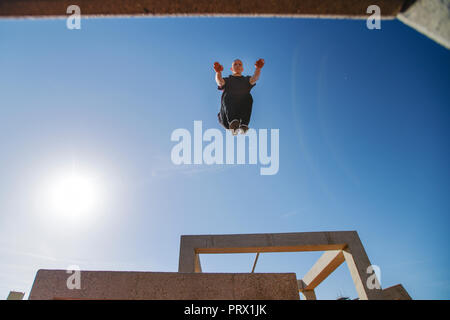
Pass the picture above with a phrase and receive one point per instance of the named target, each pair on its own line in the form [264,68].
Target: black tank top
[237,85]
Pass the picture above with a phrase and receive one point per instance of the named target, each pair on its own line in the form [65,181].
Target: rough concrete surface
[430,17]
[120,285]
[332,8]
[396,292]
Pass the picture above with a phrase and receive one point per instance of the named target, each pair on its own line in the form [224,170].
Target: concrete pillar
[430,17]
[358,263]
[198,265]
[309,294]
[326,264]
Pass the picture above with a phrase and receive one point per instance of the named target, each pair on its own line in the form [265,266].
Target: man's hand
[259,64]
[218,67]
[219,80]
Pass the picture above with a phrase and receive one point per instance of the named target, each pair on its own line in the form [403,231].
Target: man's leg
[246,112]
[231,106]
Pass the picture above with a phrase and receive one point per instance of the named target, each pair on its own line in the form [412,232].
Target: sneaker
[243,128]
[234,127]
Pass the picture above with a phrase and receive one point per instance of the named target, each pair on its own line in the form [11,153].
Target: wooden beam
[326,265]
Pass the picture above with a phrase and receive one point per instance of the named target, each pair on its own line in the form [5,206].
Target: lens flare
[73,196]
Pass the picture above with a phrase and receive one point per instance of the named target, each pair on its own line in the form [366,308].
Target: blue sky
[363,122]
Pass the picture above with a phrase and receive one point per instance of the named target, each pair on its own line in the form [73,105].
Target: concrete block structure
[192,284]
[339,247]
[430,17]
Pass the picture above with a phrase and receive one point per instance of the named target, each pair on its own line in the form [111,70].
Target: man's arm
[255,76]
[258,66]
[219,80]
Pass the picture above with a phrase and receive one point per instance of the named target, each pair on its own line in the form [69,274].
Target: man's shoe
[243,128]
[234,127]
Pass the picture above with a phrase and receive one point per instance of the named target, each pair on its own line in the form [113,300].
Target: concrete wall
[396,292]
[315,8]
[113,285]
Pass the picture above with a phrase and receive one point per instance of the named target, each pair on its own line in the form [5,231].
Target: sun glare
[73,195]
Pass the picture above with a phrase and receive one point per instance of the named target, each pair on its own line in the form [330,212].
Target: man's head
[237,67]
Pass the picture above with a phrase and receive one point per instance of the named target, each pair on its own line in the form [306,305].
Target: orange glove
[259,64]
[218,67]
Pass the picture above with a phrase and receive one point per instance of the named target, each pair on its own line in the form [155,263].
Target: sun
[73,195]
